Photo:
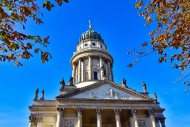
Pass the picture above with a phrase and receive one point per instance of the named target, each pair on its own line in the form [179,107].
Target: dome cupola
[91,35]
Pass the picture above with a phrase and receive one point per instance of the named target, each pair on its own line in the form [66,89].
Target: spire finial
[89,24]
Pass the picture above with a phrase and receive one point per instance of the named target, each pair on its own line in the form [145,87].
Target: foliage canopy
[171,38]
[15,45]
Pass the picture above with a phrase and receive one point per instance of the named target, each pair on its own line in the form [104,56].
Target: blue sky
[121,28]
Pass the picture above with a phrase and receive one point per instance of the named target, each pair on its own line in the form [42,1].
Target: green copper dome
[91,35]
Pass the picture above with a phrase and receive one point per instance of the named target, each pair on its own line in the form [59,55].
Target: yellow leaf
[11,56]
[138,5]
[19,56]
[11,45]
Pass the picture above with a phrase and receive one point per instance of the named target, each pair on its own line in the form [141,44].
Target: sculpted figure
[70,83]
[155,97]
[124,82]
[43,92]
[36,94]
[62,84]
[144,87]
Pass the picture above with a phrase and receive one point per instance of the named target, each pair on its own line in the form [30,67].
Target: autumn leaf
[11,56]
[138,5]
[48,5]
[11,45]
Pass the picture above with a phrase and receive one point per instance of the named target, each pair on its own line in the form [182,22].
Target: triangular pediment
[105,90]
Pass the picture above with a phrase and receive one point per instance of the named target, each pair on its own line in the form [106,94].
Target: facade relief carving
[112,94]
[106,92]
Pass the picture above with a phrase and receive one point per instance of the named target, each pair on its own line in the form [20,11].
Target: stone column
[82,71]
[79,113]
[117,117]
[107,76]
[135,120]
[90,67]
[153,122]
[79,70]
[162,121]
[73,72]
[99,117]
[109,71]
[157,122]
[112,74]
[59,122]
[100,68]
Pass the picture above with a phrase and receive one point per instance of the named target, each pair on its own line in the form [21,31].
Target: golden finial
[89,24]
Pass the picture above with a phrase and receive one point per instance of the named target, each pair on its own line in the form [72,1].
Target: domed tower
[91,61]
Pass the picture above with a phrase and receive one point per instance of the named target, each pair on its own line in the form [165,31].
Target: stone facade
[92,99]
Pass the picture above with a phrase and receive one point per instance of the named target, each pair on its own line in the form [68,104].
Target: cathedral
[91,98]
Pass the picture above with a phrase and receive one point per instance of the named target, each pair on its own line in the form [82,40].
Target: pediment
[105,90]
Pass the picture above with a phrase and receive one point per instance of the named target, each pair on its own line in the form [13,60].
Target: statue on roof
[124,82]
[36,94]
[144,87]
[62,84]
[155,97]
[43,92]
[70,83]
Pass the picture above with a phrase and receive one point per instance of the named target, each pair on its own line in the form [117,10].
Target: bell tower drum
[91,61]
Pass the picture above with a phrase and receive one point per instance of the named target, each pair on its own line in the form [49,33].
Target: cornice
[42,108]
[92,52]
[82,100]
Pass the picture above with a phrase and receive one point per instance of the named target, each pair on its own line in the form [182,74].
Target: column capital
[162,119]
[134,111]
[100,57]
[60,110]
[79,110]
[35,119]
[90,55]
[157,119]
[151,111]
[117,111]
[99,111]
